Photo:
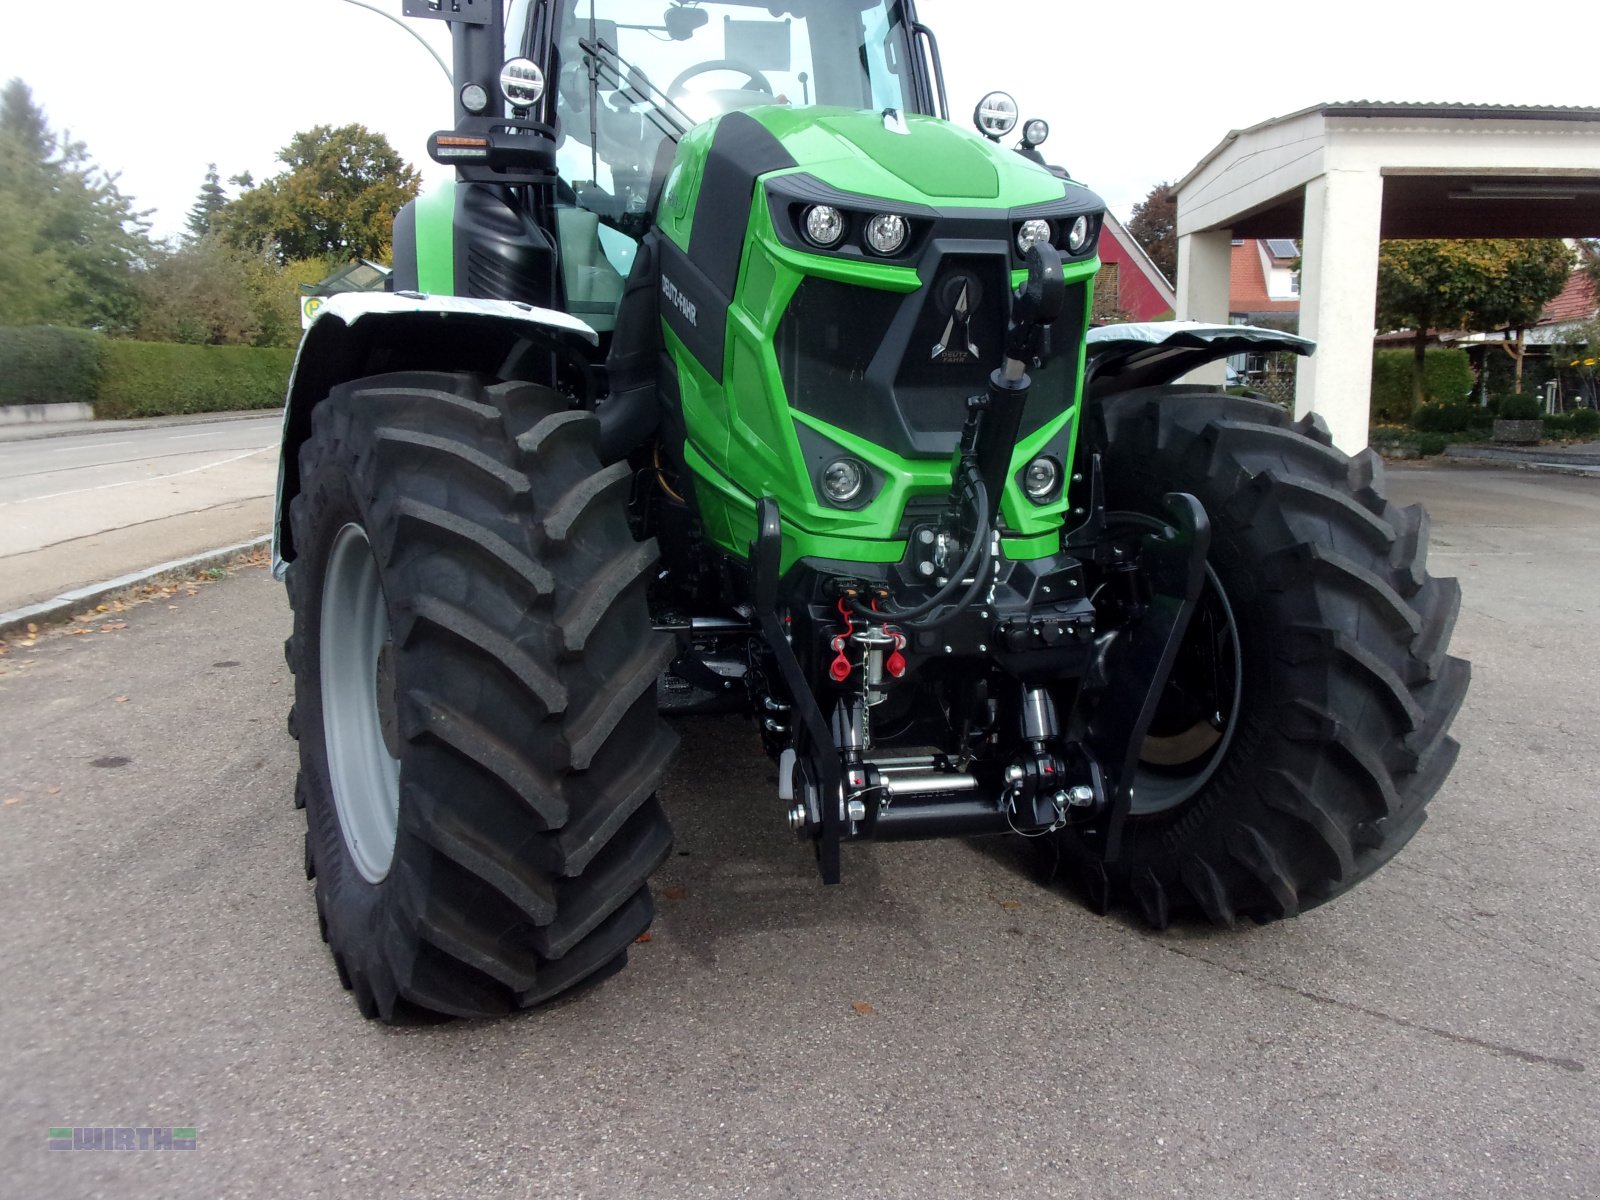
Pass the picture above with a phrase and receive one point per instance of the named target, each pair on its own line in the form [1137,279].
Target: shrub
[1585,422]
[1520,408]
[1446,379]
[45,365]
[1429,444]
[154,379]
[1558,426]
[1444,418]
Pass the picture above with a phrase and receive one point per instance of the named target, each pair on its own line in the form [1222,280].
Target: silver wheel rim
[364,774]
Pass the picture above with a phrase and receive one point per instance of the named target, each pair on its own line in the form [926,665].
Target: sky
[159,90]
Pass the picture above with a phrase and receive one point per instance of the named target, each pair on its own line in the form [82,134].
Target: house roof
[1577,301]
[1247,284]
[1416,110]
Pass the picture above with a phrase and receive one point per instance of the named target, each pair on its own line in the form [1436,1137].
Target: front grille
[897,369]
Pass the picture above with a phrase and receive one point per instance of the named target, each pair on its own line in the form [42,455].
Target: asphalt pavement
[938,1026]
[81,507]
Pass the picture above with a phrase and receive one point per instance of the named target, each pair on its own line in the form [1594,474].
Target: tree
[1535,271]
[208,204]
[1474,284]
[1589,260]
[275,295]
[1154,226]
[71,239]
[336,198]
[198,293]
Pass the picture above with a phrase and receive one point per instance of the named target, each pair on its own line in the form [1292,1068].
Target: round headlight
[521,82]
[843,479]
[1040,479]
[886,233]
[824,225]
[996,115]
[1031,234]
[473,98]
[1035,132]
[1078,237]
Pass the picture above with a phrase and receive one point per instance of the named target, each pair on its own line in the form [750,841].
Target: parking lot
[939,1025]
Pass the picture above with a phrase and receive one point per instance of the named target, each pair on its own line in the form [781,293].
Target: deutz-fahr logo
[679,301]
[958,295]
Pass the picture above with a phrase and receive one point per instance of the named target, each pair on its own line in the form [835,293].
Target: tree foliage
[1477,284]
[72,241]
[211,200]
[198,293]
[1154,226]
[335,199]
[208,292]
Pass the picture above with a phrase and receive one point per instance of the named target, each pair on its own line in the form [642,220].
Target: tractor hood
[910,158]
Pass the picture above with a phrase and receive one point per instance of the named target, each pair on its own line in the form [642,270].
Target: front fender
[356,334]
[1120,358]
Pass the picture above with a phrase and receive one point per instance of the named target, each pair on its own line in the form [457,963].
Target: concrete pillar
[1338,293]
[1205,267]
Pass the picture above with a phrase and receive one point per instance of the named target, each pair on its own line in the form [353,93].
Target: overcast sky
[1134,93]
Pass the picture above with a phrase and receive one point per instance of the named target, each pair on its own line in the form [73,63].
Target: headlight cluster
[843,479]
[1041,479]
[1075,240]
[825,227]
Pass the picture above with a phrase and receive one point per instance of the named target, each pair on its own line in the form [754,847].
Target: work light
[1031,234]
[824,225]
[886,233]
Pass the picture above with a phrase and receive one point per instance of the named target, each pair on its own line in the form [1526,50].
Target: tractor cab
[629,78]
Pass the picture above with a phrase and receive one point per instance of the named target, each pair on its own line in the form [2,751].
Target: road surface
[80,508]
[1434,1033]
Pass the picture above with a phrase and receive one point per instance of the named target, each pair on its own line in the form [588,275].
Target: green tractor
[732,373]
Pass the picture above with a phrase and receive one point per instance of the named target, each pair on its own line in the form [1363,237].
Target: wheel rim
[1198,711]
[357,704]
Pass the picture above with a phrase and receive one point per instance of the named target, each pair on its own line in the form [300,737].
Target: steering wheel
[758,81]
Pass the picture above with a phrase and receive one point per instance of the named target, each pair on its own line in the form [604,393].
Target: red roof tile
[1577,302]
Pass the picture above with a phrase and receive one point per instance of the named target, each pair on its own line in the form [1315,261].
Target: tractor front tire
[474,696]
[1337,686]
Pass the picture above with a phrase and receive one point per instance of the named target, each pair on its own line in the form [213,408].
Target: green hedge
[157,379]
[1446,379]
[45,365]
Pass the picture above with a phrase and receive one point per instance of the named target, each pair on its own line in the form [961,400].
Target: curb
[66,603]
[1565,458]
[33,432]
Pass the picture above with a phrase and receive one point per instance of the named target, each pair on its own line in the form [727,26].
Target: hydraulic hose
[977,551]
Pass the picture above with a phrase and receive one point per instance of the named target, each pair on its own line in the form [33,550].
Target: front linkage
[1020,654]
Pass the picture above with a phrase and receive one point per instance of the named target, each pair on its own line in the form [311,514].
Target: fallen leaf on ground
[675,893]
[643,937]
[863,1008]
[102,608]
[107,628]
[121,699]
[1011,905]
[32,628]
[53,791]
[10,800]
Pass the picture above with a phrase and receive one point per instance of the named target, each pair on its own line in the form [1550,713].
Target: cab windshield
[708,57]
[633,76]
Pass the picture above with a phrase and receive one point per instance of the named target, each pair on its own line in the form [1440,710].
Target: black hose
[978,584]
[970,562]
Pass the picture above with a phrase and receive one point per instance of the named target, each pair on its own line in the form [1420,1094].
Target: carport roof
[1417,109]
[1435,201]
